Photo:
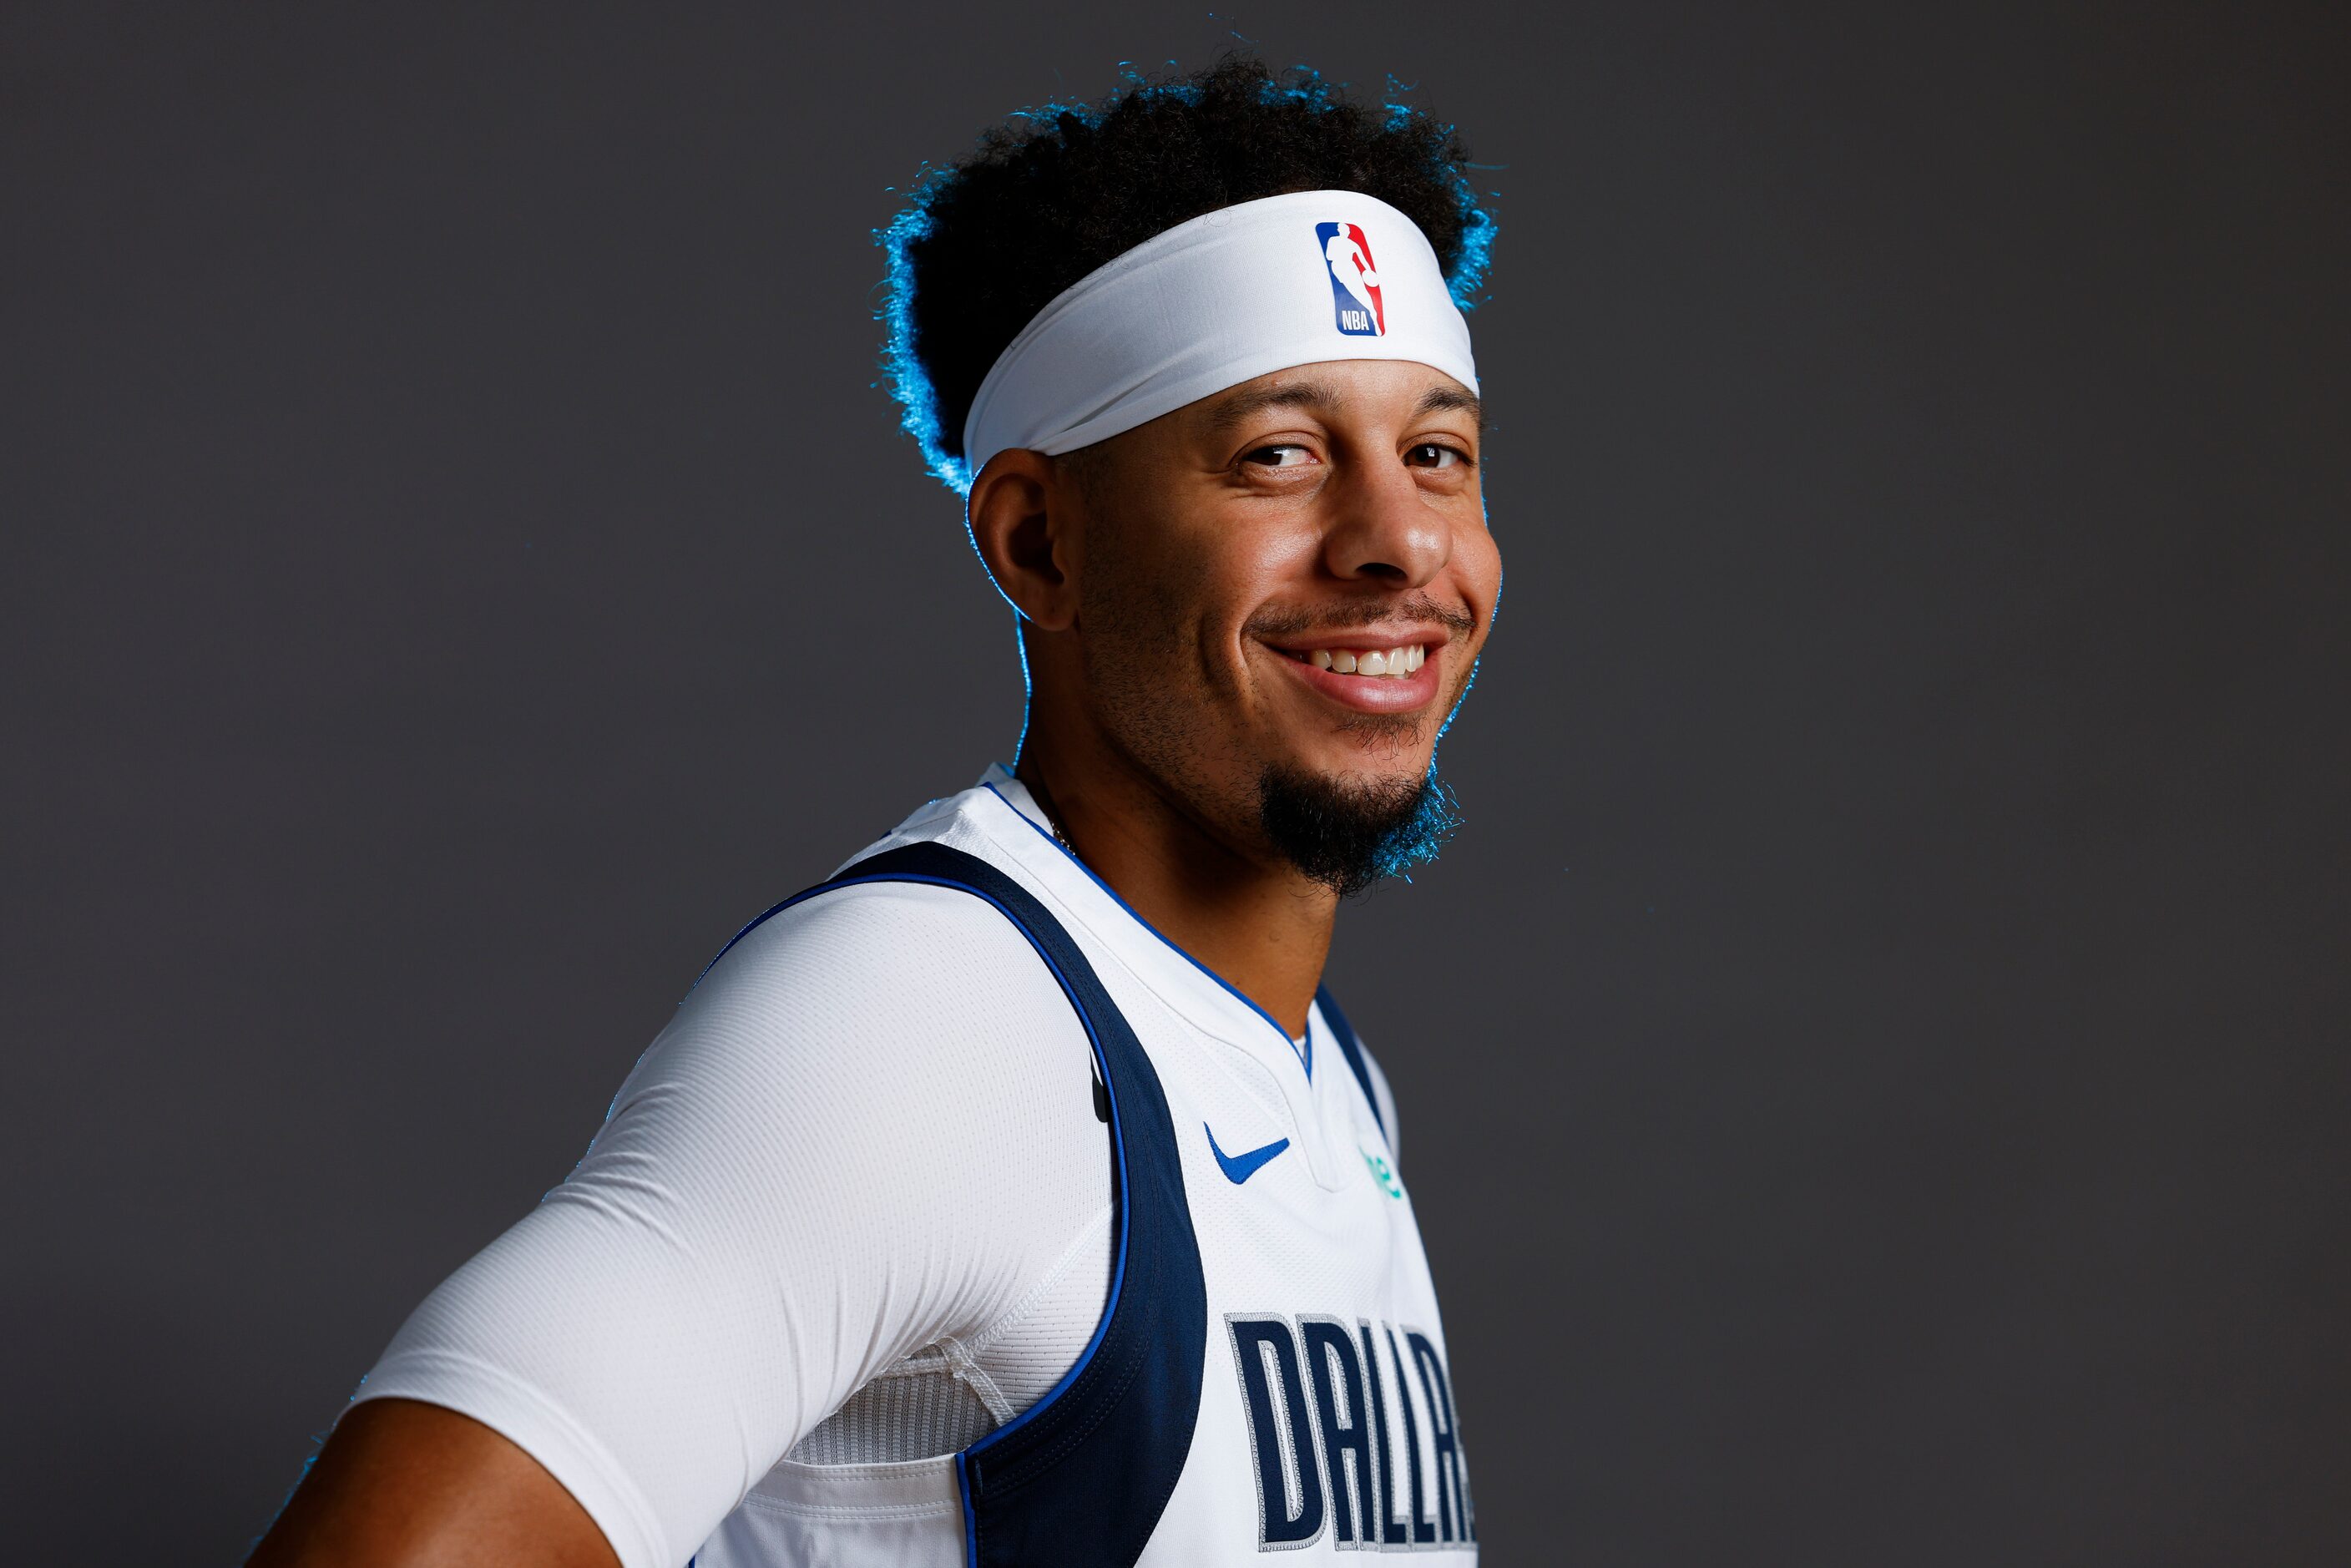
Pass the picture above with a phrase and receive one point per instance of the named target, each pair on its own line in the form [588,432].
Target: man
[1016,1196]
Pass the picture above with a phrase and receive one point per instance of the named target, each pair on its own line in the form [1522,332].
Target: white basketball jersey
[1270,1374]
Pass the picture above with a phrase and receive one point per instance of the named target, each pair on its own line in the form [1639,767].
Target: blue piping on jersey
[970,1525]
[1304,1055]
[1118,1138]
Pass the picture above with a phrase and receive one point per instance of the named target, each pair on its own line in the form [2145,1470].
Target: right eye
[1278,456]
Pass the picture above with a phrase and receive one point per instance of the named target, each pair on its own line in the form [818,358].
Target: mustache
[1349,617]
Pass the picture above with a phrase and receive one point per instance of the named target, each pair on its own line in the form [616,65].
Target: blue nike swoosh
[1239,1168]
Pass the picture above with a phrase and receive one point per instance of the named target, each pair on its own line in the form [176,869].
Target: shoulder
[890,976]
[870,1125]
[875,1044]
[916,932]
[876,948]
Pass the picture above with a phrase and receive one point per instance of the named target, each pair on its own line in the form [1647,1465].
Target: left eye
[1429,455]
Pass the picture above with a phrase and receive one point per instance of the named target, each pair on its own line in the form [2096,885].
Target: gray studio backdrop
[1872,1065]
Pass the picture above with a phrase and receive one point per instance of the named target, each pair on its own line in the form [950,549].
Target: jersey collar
[1023,829]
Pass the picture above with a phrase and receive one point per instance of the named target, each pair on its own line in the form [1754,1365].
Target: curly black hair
[986,244]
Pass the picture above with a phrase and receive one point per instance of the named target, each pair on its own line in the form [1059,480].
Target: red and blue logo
[1355,280]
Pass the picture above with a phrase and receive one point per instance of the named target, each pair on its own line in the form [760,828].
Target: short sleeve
[868,1126]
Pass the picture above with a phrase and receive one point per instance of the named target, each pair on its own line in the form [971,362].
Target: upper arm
[399,1483]
[853,1139]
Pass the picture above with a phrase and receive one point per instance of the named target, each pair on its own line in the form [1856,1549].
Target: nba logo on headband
[1213,302]
[1355,280]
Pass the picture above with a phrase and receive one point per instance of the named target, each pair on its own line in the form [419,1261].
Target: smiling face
[1279,592]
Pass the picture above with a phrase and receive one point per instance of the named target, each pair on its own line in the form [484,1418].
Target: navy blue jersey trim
[1082,1474]
[1305,1053]
[1352,1050]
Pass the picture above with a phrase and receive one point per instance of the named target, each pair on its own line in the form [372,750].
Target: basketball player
[1016,1196]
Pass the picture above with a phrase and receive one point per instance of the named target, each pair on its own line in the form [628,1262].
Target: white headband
[1213,302]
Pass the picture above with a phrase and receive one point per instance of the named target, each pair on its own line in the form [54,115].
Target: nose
[1385,531]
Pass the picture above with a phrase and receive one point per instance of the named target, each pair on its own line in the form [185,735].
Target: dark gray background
[1872,1064]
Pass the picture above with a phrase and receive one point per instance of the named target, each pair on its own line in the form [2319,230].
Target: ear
[1024,515]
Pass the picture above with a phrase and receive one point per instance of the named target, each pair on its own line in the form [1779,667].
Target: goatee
[1348,836]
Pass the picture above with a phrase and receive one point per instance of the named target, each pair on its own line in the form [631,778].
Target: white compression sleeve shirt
[868,1132]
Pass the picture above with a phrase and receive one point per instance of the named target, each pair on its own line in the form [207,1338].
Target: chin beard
[1347,837]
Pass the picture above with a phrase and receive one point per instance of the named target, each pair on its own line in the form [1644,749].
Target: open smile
[1370,677]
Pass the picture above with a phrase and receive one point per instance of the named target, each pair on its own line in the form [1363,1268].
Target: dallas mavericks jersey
[1270,1373]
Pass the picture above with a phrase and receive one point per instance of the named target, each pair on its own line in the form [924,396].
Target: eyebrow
[1442,398]
[1237,410]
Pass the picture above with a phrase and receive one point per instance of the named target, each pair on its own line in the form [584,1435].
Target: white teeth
[1387,663]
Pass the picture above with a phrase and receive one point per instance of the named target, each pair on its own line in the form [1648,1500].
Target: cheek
[1128,607]
[1210,588]
[1130,595]
[1477,567]
[1250,576]
[1161,621]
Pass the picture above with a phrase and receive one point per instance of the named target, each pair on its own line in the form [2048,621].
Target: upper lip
[1431,636]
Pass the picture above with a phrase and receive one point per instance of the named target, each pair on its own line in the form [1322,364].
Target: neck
[1263,929]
